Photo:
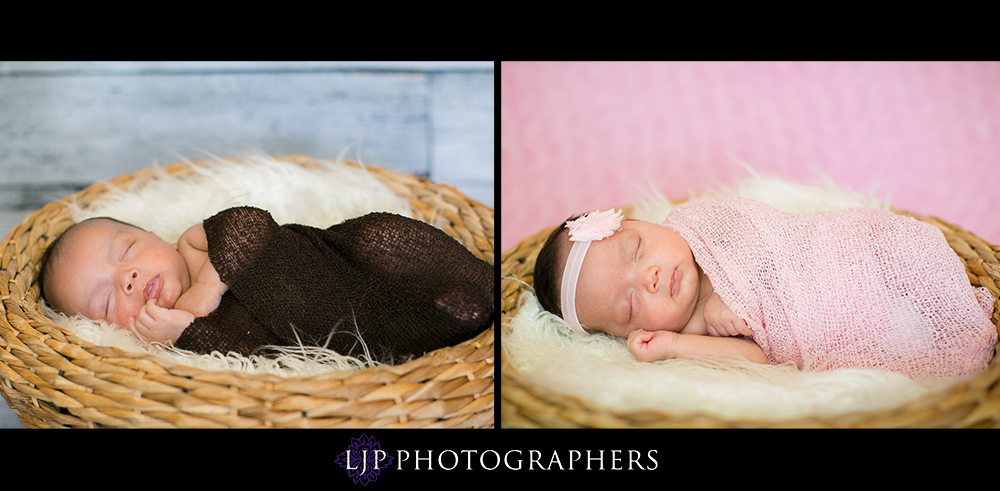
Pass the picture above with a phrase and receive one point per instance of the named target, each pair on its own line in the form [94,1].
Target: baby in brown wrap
[240,282]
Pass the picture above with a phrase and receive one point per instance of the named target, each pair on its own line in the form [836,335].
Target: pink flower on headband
[595,225]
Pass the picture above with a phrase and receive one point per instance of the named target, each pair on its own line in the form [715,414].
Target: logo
[364,458]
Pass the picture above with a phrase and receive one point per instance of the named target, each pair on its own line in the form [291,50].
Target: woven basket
[51,378]
[973,403]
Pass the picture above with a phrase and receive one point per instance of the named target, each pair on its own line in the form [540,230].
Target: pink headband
[593,226]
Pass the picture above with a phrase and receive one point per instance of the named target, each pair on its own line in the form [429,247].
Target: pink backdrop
[579,136]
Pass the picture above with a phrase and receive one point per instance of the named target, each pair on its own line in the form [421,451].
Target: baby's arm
[207,289]
[658,345]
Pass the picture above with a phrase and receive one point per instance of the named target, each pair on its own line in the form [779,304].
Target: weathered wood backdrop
[66,125]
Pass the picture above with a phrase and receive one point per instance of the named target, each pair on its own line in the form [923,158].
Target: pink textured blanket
[847,289]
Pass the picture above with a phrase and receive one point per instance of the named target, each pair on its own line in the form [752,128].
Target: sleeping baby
[735,278]
[239,282]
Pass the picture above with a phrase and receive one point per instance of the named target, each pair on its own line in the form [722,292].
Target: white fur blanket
[169,205]
[601,370]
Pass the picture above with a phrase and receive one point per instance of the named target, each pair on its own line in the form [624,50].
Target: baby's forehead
[566,244]
[96,231]
[106,225]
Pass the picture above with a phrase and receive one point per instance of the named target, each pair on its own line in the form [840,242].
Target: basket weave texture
[51,378]
[972,403]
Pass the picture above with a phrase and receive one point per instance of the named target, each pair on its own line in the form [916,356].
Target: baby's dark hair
[549,266]
[54,250]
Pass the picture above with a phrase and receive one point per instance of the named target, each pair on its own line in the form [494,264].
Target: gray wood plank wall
[66,125]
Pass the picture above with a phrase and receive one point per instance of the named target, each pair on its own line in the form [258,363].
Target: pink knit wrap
[848,289]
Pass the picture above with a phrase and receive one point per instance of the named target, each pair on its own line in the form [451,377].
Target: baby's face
[109,270]
[642,277]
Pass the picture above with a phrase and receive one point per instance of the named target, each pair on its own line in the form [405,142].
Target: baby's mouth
[152,289]
[675,282]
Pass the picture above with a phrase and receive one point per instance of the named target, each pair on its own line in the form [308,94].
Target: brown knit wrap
[404,286]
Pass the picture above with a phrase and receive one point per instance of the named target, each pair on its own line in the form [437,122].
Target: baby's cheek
[123,316]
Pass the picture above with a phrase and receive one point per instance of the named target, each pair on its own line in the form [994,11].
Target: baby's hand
[156,324]
[650,346]
[720,321]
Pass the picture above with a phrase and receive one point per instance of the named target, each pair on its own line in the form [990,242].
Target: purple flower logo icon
[364,458]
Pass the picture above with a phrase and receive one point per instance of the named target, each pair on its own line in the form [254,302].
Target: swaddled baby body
[735,278]
[240,282]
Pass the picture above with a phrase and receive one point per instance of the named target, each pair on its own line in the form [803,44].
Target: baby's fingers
[154,311]
[732,329]
[724,329]
[144,325]
[147,314]
[638,338]
[744,328]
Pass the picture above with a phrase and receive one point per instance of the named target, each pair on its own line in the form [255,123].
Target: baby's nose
[129,285]
[653,279]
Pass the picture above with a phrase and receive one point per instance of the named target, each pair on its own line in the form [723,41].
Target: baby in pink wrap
[734,278]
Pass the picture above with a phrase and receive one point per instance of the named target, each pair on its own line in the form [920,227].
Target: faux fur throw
[403,286]
[846,289]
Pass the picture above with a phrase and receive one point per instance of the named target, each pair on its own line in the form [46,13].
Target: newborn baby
[735,278]
[240,282]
